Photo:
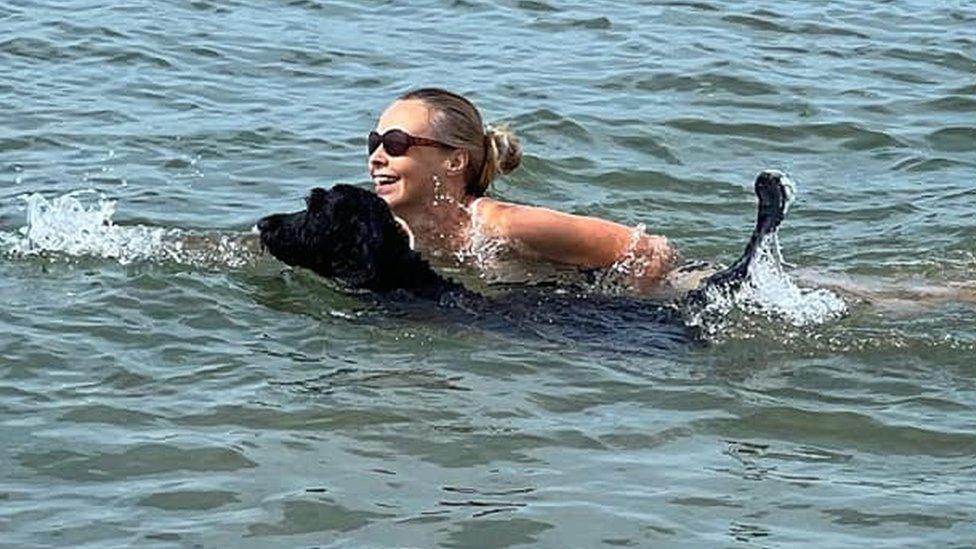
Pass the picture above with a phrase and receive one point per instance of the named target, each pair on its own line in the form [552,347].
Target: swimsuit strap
[406,229]
[473,209]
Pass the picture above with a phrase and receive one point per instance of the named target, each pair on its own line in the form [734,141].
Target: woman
[432,160]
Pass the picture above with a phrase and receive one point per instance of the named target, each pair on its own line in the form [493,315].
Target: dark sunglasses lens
[396,142]
[374,141]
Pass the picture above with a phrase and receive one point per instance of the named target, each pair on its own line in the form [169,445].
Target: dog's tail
[776,193]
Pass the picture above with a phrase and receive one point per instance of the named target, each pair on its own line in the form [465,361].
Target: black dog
[349,234]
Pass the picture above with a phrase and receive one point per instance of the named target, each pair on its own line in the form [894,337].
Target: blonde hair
[455,121]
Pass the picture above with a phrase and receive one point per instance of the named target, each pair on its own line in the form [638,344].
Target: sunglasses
[398,142]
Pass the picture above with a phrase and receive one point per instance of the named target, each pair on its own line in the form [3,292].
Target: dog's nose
[265,224]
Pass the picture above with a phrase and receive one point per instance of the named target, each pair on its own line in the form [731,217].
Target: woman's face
[407,181]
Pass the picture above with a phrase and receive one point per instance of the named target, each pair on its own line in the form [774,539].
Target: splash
[496,261]
[499,261]
[79,224]
[619,278]
[768,292]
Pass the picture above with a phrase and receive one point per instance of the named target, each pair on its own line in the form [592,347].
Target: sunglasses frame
[375,139]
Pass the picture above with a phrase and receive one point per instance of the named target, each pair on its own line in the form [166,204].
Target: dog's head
[345,232]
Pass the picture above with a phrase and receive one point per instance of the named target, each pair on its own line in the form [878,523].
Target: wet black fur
[349,234]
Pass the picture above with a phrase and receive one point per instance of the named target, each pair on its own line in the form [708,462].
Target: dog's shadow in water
[349,236]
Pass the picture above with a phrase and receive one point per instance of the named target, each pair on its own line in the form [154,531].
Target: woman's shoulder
[494,216]
[484,211]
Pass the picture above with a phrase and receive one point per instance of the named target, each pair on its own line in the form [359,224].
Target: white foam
[79,224]
[770,292]
[620,277]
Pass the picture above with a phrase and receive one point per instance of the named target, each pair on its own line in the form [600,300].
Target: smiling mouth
[384,180]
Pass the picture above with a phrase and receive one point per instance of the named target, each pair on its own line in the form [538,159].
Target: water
[179,400]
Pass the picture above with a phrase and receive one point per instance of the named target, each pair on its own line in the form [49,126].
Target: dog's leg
[775,192]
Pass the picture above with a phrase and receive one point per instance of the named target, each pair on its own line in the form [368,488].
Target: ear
[360,260]
[315,198]
[457,161]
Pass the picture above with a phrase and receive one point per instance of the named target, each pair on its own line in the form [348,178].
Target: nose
[378,158]
[266,224]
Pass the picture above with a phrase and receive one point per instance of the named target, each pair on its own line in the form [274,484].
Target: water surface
[155,402]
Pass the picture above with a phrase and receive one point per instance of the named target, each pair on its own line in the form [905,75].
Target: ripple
[849,429]
[849,135]
[108,414]
[546,121]
[202,5]
[704,83]
[535,6]
[647,144]
[705,502]
[307,4]
[757,22]
[196,500]
[307,516]
[830,30]
[966,90]
[72,29]
[128,58]
[9,144]
[34,49]
[960,139]
[700,6]
[941,59]
[952,103]
[906,76]
[623,180]
[503,533]
[307,58]
[594,23]
[308,419]
[378,379]
[918,164]
[848,516]
[134,461]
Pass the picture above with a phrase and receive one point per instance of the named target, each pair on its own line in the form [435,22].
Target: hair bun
[506,150]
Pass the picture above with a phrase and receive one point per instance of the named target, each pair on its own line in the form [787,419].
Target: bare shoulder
[520,221]
[556,236]
[495,216]
[489,207]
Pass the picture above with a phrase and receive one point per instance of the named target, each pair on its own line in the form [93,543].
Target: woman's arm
[587,242]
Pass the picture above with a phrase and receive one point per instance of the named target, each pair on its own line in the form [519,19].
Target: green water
[155,403]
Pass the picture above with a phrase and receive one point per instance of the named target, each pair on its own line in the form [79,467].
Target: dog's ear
[315,199]
[361,263]
[350,233]
[375,247]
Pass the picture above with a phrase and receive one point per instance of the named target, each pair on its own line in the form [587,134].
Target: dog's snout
[265,224]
